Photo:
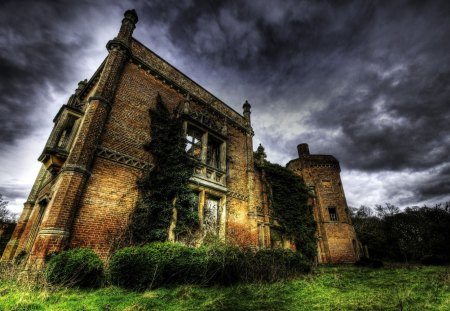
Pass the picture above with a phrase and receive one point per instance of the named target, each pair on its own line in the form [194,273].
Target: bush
[224,263]
[369,263]
[161,263]
[155,264]
[434,260]
[271,265]
[79,267]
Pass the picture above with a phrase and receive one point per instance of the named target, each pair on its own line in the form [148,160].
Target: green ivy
[166,183]
[289,198]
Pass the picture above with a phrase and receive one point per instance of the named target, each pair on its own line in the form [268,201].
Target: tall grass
[327,288]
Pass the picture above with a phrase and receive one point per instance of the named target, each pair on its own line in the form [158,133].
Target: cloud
[366,81]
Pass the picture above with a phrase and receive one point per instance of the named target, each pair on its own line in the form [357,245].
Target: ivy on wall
[289,197]
[165,187]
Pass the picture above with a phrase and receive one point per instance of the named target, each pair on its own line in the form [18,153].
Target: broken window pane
[210,214]
[194,142]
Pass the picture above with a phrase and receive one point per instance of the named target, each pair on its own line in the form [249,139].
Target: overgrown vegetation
[78,267]
[165,197]
[289,198]
[7,224]
[328,288]
[166,263]
[415,234]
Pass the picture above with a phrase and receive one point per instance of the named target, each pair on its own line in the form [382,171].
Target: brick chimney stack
[247,112]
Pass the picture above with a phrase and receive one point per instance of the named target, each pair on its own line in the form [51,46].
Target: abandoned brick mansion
[86,187]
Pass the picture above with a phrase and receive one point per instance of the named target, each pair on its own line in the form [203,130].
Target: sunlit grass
[327,288]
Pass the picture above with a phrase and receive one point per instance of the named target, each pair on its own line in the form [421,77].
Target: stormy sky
[366,81]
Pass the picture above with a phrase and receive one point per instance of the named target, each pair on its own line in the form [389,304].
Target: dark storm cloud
[435,187]
[38,42]
[367,81]
[375,76]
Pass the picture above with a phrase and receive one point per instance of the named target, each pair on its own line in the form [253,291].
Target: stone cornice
[102,100]
[117,44]
[60,232]
[118,157]
[75,168]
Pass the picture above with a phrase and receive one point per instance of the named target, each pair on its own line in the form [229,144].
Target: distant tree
[7,223]
[409,235]
[387,210]
[5,215]
[370,231]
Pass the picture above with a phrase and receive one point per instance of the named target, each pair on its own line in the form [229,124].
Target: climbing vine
[165,187]
[289,197]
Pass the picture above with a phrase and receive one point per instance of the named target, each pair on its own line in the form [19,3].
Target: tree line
[415,234]
[7,223]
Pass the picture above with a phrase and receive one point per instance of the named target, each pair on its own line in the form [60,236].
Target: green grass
[328,288]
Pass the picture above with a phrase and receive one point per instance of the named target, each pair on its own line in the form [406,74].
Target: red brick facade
[86,188]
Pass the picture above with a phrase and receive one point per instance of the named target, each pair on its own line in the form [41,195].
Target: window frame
[333,214]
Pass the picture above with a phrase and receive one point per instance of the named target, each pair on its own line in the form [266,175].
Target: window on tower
[333,214]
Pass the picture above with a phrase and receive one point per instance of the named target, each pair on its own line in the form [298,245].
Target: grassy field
[328,288]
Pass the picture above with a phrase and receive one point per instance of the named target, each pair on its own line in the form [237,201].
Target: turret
[303,150]
[128,24]
[126,31]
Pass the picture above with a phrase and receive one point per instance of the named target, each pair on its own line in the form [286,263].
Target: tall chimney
[128,24]
[247,107]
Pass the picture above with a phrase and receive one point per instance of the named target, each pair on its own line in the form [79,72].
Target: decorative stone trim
[237,195]
[54,231]
[102,100]
[117,45]
[122,158]
[76,168]
[13,242]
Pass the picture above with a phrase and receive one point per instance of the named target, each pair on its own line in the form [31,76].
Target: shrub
[79,267]
[224,263]
[434,260]
[369,263]
[156,264]
[271,265]
[165,263]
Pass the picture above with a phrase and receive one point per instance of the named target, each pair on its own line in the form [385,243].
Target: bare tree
[387,210]
[5,215]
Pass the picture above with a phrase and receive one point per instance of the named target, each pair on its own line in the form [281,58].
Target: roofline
[184,75]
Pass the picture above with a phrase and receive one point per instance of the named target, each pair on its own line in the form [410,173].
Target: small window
[326,183]
[194,142]
[333,214]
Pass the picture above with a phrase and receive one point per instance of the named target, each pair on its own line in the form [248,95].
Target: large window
[205,147]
